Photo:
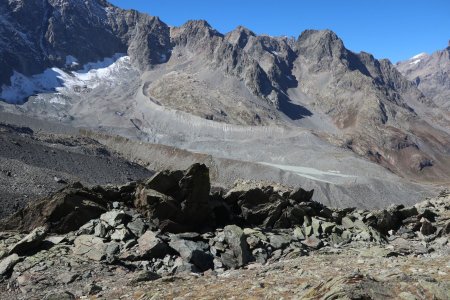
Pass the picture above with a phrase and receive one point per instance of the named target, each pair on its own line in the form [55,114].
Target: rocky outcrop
[263,226]
[66,211]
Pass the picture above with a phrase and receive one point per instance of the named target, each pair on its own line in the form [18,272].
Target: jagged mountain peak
[198,26]
[320,43]
[240,36]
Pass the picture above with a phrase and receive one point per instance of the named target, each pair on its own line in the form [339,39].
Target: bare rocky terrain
[306,104]
[170,237]
[144,161]
[34,164]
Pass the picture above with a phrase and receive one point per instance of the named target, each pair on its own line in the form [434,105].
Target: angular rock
[156,206]
[347,223]
[300,195]
[299,234]
[195,187]
[121,233]
[8,263]
[165,182]
[182,266]
[92,289]
[66,211]
[114,218]
[90,246]
[30,242]
[67,277]
[235,238]
[408,212]
[327,227]
[137,227]
[427,228]
[193,252]
[150,246]
[55,240]
[279,241]
[112,249]
[313,242]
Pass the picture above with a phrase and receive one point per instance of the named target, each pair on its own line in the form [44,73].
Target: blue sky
[394,29]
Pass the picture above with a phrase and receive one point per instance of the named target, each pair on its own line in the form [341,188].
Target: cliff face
[36,35]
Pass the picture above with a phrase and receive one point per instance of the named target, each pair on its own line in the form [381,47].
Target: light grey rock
[193,252]
[327,227]
[316,226]
[8,263]
[67,277]
[121,233]
[298,233]
[90,246]
[88,228]
[235,238]
[279,241]
[181,266]
[150,246]
[55,240]
[114,218]
[100,230]
[347,223]
[137,227]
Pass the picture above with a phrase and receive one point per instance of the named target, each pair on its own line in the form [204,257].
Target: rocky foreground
[173,236]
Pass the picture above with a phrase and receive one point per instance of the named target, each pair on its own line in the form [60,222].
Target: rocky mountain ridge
[431,74]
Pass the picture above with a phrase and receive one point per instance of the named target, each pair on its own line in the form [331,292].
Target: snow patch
[420,55]
[311,173]
[55,79]
[417,58]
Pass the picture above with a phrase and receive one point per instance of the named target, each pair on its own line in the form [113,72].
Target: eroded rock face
[65,211]
[186,203]
[100,30]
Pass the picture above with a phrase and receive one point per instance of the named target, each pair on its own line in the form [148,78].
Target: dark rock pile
[171,224]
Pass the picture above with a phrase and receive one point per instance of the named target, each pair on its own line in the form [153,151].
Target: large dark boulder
[268,208]
[63,212]
[177,201]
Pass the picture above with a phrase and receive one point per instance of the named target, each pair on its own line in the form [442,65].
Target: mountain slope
[295,103]
[36,35]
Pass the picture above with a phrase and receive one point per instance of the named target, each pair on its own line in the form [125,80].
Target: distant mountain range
[237,95]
